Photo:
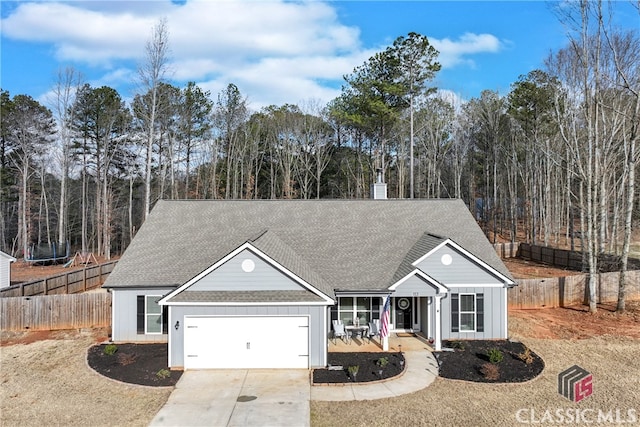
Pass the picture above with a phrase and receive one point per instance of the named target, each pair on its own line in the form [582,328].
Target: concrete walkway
[238,397]
[420,370]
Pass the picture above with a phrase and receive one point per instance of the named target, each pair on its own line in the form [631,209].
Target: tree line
[551,162]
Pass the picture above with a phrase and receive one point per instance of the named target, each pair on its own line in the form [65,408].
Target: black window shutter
[479,312]
[165,319]
[455,318]
[140,314]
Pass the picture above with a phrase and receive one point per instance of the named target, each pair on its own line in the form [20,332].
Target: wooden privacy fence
[51,312]
[507,250]
[570,290]
[72,282]
[552,256]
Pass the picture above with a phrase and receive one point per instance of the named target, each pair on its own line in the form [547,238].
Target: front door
[403,313]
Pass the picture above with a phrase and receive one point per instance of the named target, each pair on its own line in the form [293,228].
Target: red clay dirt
[523,269]
[576,322]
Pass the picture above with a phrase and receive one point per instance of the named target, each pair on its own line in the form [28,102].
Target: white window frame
[461,312]
[147,314]
[353,309]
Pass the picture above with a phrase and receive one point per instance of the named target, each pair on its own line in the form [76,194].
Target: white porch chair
[339,332]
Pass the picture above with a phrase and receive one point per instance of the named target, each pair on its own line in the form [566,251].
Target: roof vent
[379,188]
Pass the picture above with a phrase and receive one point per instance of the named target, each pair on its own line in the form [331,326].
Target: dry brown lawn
[47,383]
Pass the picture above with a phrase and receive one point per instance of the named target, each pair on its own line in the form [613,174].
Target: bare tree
[625,58]
[31,129]
[64,94]
[152,72]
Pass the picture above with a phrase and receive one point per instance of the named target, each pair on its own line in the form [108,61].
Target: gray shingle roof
[246,296]
[425,243]
[332,244]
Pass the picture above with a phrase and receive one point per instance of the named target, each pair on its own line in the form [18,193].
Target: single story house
[5,269]
[256,284]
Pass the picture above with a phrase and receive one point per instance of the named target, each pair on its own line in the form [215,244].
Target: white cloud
[456,52]
[271,48]
[454,98]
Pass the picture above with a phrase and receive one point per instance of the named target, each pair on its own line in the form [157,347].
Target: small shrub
[163,373]
[457,345]
[525,356]
[495,356]
[110,349]
[127,358]
[353,371]
[382,362]
[490,371]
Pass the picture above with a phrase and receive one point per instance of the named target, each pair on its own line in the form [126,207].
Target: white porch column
[436,333]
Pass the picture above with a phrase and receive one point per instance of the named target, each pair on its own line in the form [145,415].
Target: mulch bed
[143,364]
[470,362]
[368,368]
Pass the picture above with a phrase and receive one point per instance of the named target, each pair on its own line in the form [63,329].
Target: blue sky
[276,52]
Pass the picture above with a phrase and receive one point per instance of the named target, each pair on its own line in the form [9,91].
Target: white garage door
[246,342]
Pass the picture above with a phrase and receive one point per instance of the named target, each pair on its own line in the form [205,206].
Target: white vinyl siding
[129,315]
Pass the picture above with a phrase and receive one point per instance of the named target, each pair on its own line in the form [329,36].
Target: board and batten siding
[125,311]
[317,321]
[415,286]
[231,276]
[462,270]
[494,314]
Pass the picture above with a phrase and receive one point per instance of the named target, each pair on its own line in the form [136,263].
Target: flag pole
[384,330]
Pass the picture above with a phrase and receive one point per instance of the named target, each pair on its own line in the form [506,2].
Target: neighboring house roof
[7,256]
[342,245]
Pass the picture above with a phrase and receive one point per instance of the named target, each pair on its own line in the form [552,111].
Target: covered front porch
[415,308]
[398,342]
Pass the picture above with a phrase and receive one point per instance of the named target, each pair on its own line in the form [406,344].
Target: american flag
[384,323]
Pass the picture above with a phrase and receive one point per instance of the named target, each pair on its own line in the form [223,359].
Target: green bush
[110,349]
[457,345]
[353,370]
[382,362]
[495,356]
[163,373]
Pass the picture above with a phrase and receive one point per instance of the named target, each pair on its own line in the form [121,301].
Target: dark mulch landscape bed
[470,361]
[368,367]
[143,364]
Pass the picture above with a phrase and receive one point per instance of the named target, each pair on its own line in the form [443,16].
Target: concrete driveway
[240,397]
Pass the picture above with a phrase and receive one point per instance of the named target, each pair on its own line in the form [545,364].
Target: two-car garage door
[246,342]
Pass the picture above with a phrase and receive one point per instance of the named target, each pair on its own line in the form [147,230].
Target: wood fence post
[84,279]
[46,291]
